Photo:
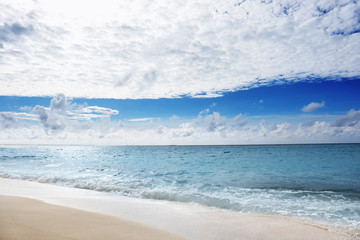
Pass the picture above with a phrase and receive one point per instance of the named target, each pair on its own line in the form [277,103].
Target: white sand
[30,219]
[190,221]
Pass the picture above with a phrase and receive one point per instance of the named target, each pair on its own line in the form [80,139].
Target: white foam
[189,220]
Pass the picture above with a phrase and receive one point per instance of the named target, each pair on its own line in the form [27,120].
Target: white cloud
[238,121]
[141,119]
[101,110]
[162,48]
[91,112]
[352,118]
[313,106]
[61,116]
[61,123]
[215,122]
[8,120]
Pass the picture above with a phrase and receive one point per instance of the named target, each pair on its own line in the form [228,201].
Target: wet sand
[31,210]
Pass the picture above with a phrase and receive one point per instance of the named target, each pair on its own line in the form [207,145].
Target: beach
[25,218]
[195,120]
[32,210]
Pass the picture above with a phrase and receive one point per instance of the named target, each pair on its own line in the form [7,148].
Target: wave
[319,183]
[326,207]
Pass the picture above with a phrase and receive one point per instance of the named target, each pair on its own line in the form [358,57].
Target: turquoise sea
[316,183]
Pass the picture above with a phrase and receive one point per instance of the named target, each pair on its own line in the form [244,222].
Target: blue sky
[165,72]
[339,96]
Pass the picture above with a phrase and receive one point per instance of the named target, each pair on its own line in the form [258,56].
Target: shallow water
[319,183]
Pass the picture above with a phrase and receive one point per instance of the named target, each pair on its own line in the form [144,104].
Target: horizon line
[174,145]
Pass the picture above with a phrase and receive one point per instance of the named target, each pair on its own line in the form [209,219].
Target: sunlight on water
[314,182]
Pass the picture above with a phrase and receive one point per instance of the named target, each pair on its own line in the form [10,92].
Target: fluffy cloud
[351,119]
[60,116]
[215,122]
[162,48]
[8,120]
[66,123]
[238,122]
[313,106]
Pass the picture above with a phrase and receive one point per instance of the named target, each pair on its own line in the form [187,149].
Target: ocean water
[316,183]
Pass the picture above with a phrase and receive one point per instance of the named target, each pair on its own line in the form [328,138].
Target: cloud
[51,120]
[13,31]
[352,118]
[101,111]
[59,116]
[8,120]
[313,106]
[215,122]
[59,104]
[141,119]
[54,118]
[63,122]
[166,49]
[238,122]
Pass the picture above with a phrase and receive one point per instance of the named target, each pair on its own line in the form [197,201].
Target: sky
[179,72]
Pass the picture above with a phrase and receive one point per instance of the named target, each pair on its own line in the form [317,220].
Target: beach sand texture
[79,217]
[23,218]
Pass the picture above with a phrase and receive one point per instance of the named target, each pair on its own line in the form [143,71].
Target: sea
[315,183]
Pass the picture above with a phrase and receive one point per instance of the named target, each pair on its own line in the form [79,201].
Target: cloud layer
[65,123]
[161,48]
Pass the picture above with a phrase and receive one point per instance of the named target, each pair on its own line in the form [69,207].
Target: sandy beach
[23,218]
[32,210]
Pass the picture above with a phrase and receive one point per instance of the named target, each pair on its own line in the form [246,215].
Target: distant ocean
[316,183]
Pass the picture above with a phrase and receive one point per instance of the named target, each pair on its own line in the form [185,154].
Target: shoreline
[188,221]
